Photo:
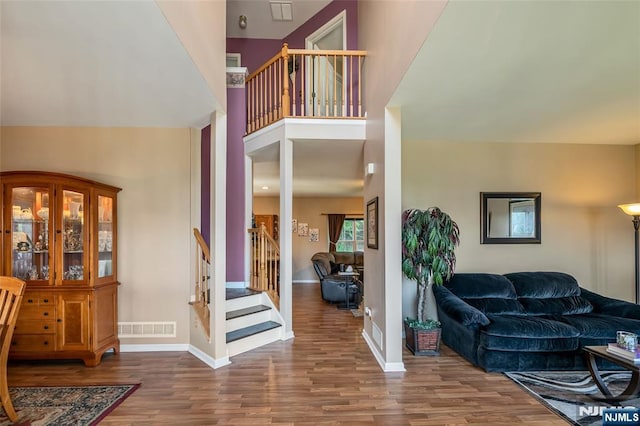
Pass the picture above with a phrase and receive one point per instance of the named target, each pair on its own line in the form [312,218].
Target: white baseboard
[207,359]
[288,335]
[236,284]
[387,367]
[177,347]
[305,282]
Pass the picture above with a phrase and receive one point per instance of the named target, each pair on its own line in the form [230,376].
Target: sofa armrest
[610,306]
[457,309]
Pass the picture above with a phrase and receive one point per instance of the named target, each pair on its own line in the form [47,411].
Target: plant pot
[422,342]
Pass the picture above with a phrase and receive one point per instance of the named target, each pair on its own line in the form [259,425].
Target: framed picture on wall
[372,223]
[303,229]
[314,235]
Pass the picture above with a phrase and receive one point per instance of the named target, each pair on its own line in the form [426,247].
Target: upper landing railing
[305,83]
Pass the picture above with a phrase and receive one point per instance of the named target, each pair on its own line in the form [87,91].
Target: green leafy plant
[429,239]
[429,324]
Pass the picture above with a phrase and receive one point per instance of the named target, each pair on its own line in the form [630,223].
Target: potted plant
[429,239]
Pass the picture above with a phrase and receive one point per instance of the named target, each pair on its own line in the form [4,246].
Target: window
[351,236]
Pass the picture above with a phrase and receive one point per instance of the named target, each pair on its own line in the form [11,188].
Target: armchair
[332,285]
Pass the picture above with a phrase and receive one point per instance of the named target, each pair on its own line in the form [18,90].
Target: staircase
[252,321]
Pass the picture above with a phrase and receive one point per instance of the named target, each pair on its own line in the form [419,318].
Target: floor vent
[146,329]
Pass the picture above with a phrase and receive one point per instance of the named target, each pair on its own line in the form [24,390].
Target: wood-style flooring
[325,375]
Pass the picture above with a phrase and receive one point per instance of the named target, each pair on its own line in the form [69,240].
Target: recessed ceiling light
[281,10]
[265,187]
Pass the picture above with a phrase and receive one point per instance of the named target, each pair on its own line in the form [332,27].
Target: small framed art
[372,223]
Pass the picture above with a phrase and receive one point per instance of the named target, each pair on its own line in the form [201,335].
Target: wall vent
[377,335]
[147,329]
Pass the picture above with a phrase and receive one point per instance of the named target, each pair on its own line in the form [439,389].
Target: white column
[219,234]
[286,244]
[248,210]
[392,204]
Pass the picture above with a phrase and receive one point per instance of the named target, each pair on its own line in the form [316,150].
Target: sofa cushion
[570,305]
[489,293]
[343,257]
[543,285]
[493,305]
[480,285]
[600,325]
[528,334]
[549,293]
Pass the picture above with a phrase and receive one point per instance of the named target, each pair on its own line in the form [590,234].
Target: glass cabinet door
[105,236]
[73,235]
[30,237]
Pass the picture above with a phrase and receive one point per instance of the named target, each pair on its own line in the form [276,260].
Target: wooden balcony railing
[305,83]
[265,263]
[203,277]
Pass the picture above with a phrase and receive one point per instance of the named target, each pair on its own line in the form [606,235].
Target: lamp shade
[631,209]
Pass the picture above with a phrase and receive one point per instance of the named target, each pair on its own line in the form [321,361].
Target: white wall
[309,210]
[392,36]
[152,166]
[583,232]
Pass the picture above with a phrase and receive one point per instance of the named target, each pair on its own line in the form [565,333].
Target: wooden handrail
[203,244]
[305,83]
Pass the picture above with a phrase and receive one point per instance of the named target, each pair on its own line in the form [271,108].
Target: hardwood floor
[326,375]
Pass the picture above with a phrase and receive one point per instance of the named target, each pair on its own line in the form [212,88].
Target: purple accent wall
[296,38]
[236,229]
[255,52]
[205,184]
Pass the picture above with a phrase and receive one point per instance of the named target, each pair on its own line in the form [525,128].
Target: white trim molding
[387,367]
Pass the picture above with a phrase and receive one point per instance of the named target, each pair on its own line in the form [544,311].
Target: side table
[347,281]
[594,352]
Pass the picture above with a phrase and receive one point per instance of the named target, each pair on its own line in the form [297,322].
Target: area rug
[65,405]
[569,394]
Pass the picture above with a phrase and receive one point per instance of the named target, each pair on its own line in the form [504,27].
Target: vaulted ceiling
[525,71]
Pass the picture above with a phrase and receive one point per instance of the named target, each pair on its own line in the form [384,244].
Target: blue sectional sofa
[528,321]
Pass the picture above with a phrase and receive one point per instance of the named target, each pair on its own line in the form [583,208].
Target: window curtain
[335,227]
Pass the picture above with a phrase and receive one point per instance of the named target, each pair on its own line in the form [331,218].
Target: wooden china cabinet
[59,235]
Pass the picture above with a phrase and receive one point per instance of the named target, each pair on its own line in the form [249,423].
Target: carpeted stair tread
[251,330]
[247,311]
[235,293]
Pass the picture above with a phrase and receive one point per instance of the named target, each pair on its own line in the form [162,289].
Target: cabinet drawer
[36,312]
[33,342]
[35,327]
[38,299]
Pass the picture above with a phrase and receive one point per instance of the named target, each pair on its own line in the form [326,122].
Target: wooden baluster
[359,86]
[286,101]
[335,86]
[294,113]
[351,85]
[345,81]
[303,86]
[326,85]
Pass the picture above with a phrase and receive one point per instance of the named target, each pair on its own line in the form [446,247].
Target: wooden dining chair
[11,291]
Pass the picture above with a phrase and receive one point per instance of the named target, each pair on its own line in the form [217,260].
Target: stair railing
[201,302]
[305,83]
[265,263]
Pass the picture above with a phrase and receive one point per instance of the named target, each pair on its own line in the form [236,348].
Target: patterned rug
[568,394]
[65,405]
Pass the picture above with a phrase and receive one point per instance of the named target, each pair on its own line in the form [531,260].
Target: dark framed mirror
[510,217]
